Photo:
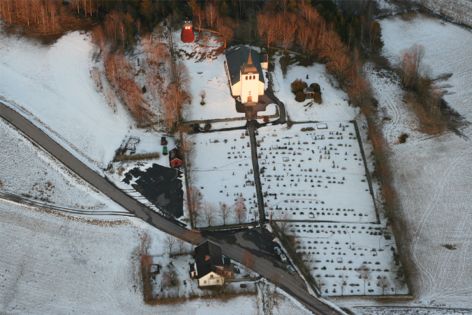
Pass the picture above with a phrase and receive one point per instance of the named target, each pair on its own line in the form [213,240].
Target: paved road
[251,129]
[261,265]
[94,179]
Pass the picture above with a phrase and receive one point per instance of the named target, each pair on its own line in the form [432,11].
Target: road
[251,129]
[262,265]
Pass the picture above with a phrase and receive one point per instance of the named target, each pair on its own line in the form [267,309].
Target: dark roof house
[210,267]
[207,257]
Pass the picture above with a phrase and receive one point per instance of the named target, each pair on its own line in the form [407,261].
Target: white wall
[211,279]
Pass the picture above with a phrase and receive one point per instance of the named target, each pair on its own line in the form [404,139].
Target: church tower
[249,82]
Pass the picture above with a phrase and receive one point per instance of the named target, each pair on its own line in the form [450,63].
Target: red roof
[176,162]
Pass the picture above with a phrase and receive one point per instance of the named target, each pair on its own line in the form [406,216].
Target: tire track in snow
[431,208]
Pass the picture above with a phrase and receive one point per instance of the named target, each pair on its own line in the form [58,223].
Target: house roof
[207,257]
[243,59]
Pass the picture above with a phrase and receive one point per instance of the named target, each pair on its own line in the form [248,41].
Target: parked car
[277,250]
[283,258]
[290,269]
[163,141]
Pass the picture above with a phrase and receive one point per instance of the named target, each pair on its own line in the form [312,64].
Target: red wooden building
[187,35]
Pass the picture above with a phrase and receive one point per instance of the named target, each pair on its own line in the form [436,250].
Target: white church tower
[249,82]
[244,72]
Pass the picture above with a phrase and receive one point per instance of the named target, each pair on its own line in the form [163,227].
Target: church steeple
[249,67]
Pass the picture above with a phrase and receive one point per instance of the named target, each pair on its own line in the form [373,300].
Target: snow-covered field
[432,174]
[207,75]
[334,106]
[458,10]
[314,172]
[32,173]
[399,310]
[52,86]
[59,264]
[221,169]
[448,49]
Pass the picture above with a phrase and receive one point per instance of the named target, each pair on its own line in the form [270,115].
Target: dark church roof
[207,256]
[237,60]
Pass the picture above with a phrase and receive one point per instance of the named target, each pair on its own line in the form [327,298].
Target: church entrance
[249,99]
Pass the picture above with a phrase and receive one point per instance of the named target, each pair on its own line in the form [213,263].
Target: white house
[211,268]
[244,71]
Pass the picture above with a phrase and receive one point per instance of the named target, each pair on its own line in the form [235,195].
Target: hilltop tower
[187,35]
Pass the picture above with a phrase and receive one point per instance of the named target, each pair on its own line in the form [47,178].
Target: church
[244,70]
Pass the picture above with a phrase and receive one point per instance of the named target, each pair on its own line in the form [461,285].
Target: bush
[402,138]
[317,98]
[316,88]
[298,86]
[284,62]
[207,127]
[300,96]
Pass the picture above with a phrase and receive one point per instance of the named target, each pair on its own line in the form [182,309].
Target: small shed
[175,158]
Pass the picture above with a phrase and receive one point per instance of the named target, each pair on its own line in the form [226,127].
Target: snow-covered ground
[432,174]
[52,86]
[60,264]
[32,173]
[334,106]
[207,74]
[397,119]
[459,11]
[448,49]
[314,172]
[349,259]
[373,310]
[221,169]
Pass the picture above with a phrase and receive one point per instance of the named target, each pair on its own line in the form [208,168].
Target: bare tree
[266,29]
[364,273]
[224,211]
[208,213]
[248,259]
[240,208]
[181,245]
[195,203]
[169,243]
[383,283]
[411,64]
[211,14]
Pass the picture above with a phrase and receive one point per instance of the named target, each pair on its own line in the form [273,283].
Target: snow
[399,310]
[334,106]
[150,142]
[447,50]
[207,74]
[458,10]
[52,86]
[221,169]
[55,264]
[270,110]
[432,175]
[337,253]
[306,170]
[33,173]
[388,91]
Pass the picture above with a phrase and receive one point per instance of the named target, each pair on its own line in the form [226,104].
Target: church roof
[243,59]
